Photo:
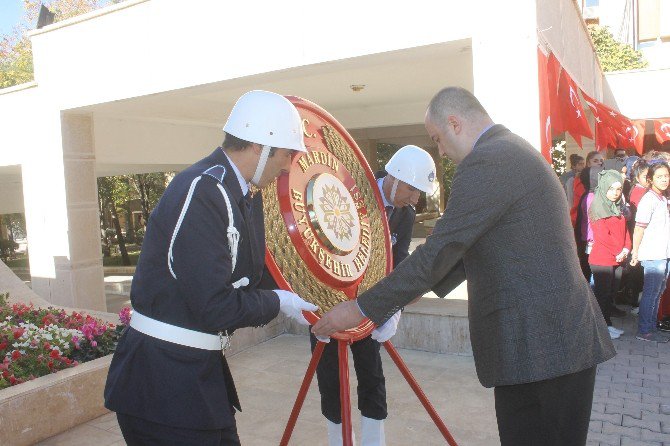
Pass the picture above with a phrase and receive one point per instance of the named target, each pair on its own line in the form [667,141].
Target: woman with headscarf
[611,242]
[593,159]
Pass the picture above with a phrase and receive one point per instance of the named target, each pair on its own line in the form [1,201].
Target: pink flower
[94,344]
[124,315]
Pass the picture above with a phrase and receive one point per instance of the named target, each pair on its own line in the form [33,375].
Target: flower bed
[38,341]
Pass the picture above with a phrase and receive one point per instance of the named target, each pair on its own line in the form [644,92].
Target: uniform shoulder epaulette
[217,172]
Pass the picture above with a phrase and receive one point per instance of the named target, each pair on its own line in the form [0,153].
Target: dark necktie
[247,213]
[389,212]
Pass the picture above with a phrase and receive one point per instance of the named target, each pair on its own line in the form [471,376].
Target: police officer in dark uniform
[197,281]
[410,171]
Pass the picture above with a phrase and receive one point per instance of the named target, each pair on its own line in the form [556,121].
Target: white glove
[325,339]
[292,306]
[386,331]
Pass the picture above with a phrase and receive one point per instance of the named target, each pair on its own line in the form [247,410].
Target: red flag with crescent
[636,135]
[603,135]
[662,130]
[545,105]
[573,116]
[553,73]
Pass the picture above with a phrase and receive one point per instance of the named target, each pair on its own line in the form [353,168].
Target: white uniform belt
[176,335]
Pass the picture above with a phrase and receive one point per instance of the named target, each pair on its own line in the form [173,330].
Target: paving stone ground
[268,377]
[631,402]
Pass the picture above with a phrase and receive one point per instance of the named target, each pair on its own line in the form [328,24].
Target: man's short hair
[575,159]
[233,143]
[454,101]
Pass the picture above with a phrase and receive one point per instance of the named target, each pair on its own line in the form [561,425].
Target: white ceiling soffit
[398,86]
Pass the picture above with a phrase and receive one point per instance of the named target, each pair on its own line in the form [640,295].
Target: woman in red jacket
[611,243]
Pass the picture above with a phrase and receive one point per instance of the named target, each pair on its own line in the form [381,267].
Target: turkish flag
[612,128]
[553,73]
[572,113]
[662,130]
[636,134]
[545,105]
[603,135]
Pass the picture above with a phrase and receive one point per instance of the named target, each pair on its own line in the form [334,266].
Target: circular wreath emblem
[326,231]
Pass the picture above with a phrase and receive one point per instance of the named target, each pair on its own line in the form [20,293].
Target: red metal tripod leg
[309,374]
[419,393]
[345,402]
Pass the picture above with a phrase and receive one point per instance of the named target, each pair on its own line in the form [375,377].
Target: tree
[558,156]
[613,55]
[113,192]
[16,58]
[149,187]
[15,224]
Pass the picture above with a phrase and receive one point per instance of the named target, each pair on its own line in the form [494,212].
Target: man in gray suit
[536,330]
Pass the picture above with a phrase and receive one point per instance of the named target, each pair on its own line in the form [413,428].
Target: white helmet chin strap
[394,188]
[265,153]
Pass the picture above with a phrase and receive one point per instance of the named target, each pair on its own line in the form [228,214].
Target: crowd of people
[619,210]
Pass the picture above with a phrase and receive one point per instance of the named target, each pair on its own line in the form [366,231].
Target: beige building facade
[146,85]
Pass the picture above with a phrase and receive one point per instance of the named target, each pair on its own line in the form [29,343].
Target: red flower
[17,332]
[51,364]
[16,355]
[47,346]
[54,354]
[3,345]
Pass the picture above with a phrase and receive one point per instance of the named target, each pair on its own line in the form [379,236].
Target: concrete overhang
[174,128]
[641,94]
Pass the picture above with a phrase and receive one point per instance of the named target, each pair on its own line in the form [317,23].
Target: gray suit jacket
[507,230]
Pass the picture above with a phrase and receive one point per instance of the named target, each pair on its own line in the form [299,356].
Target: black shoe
[664,326]
[617,312]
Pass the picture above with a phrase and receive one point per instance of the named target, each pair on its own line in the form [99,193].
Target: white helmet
[414,166]
[268,119]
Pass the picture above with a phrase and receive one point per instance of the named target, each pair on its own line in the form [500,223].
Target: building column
[61,205]
[505,66]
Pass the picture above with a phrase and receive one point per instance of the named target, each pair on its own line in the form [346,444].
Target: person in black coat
[196,282]
[410,171]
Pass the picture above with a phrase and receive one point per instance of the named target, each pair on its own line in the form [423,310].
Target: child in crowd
[633,275]
[651,247]
[640,184]
[611,242]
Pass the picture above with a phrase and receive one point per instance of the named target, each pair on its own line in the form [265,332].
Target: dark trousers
[553,412]
[371,383]
[140,432]
[583,258]
[606,281]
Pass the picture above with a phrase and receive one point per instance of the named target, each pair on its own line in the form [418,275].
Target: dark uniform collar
[230,179]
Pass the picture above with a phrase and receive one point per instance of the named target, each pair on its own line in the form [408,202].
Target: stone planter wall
[38,409]
[52,404]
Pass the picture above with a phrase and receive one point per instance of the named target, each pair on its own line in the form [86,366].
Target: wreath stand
[343,361]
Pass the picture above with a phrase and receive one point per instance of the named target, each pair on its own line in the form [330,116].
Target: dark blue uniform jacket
[169,383]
